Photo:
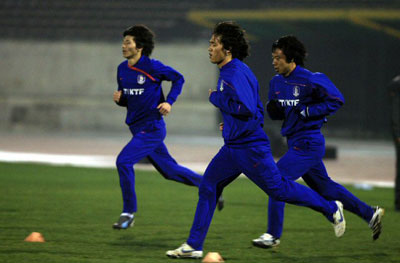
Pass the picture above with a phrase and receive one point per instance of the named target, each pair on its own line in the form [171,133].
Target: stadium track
[363,163]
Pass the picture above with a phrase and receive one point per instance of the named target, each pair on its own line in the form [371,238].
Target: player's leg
[220,172]
[317,178]
[137,148]
[259,166]
[170,169]
[292,165]
[303,153]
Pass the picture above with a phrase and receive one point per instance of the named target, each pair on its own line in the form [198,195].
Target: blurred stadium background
[57,75]
[59,60]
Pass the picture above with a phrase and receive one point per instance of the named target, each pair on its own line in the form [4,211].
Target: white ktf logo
[290,103]
[133,91]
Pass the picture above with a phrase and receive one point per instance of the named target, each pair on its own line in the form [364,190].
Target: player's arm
[231,101]
[168,73]
[328,96]
[229,104]
[273,107]
[118,96]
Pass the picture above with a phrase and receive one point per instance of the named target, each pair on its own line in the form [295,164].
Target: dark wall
[360,60]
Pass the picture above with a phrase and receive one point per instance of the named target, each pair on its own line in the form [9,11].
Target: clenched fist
[164,108]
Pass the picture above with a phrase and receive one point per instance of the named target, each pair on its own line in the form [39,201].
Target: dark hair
[293,49]
[233,38]
[143,38]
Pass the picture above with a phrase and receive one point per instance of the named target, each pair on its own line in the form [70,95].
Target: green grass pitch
[74,209]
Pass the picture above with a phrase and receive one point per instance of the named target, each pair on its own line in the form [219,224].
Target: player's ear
[139,47]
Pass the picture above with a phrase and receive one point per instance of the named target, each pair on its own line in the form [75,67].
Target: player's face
[216,51]
[280,64]
[129,49]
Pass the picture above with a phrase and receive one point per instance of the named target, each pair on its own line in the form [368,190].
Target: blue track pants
[304,159]
[259,166]
[147,141]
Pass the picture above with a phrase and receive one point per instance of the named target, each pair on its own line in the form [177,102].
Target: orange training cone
[35,237]
[212,257]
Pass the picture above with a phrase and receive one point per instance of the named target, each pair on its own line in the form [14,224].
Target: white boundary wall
[69,85]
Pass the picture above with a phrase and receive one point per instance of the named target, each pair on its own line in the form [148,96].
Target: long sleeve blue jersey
[239,102]
[141,88]
[305,91]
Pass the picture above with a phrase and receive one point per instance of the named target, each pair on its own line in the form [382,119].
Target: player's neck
[226,60]
[133,60]
[292,66]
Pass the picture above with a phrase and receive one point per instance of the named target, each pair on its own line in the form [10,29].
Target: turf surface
[74,209]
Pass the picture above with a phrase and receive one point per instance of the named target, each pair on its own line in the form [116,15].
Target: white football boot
[376,222]
[184,251]
[266,241]
[339,223]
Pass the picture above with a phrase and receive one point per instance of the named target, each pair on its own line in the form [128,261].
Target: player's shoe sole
[376,222]
[339,223]
[124,222]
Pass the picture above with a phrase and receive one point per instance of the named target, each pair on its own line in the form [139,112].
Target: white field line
[108,161]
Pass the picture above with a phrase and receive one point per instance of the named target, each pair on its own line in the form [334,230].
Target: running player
[303,99]
[139,90]
[246,149]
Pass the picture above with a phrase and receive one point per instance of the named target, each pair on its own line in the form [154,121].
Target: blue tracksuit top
[308,91]
[141,88]
[239,102]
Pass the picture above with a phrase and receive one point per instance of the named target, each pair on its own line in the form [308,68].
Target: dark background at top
[360,61]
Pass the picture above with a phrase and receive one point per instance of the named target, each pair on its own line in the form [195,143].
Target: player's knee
[277,194]
[207,191]
[122,161]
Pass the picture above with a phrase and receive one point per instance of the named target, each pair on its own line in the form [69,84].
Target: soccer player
[139,90]
[246,149]
[303,99]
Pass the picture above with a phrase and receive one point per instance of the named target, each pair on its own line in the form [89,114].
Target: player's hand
[117,96]
[210,91]
[164,108]
[221,126]
[275,110]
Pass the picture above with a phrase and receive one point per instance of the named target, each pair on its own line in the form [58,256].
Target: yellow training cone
[35,237]
[212,257]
